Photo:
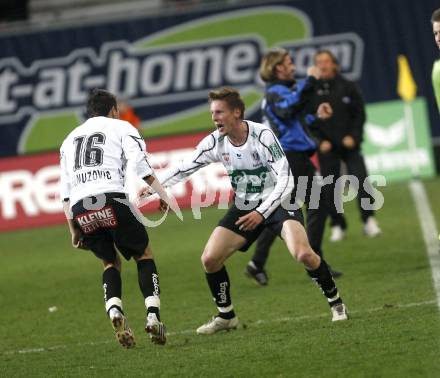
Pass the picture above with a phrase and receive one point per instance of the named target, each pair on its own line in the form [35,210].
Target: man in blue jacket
[284,110]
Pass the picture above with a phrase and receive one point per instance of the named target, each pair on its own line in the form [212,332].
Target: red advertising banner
[29,184]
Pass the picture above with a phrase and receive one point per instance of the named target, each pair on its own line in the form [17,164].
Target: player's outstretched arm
[165,200]
[202,155]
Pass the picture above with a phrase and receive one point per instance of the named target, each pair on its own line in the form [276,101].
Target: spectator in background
[340,137]
[126,113]
[435,21]
[284,111]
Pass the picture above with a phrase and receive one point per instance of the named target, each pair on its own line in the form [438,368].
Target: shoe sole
[124,336]
[336,240]
[219,330]
[371,236]
[157,333]
[340,319]
[202,332]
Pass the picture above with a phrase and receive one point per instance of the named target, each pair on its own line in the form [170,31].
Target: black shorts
[274,222]
[110,223]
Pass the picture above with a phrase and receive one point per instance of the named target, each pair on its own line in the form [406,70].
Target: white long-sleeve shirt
[258,169]
[94,157]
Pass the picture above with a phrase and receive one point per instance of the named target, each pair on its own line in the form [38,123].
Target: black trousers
[302,168]
[330,164]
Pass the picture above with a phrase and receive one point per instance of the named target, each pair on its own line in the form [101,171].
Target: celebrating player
[94,158]
[262,182]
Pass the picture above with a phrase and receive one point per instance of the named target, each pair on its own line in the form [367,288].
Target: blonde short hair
[230,96]
[269,61]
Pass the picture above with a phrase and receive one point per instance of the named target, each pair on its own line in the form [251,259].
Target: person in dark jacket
[283,110]
[340,137]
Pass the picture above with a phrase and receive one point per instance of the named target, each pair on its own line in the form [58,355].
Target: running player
[94,158]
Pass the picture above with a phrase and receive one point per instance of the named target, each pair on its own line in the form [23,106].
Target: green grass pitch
[285,331]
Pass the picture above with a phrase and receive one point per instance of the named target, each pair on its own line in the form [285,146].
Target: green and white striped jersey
[258,169]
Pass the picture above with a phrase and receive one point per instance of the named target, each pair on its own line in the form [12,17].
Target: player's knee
[147,254]
[210,264]
[304,254]
[112,265]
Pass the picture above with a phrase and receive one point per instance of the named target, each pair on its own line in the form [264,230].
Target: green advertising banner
[387,140]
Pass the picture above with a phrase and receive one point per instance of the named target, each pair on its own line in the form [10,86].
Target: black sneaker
[259,275]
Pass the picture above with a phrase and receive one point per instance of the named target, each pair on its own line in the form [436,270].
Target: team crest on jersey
[255,156]
[226,157]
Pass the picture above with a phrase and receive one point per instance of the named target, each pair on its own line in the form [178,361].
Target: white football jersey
[94,157]
[258,169]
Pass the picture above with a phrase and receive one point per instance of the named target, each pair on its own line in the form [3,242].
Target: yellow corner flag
[406,86]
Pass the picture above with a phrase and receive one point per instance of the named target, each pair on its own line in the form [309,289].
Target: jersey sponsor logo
[249,180]
[96,219]
[276,151]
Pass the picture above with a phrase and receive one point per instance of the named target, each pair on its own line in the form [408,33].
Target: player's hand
[77,239]
[324,111]
[249,221]
[314,71]
[144,191]
[325,147]
[163,206]
[348,142]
